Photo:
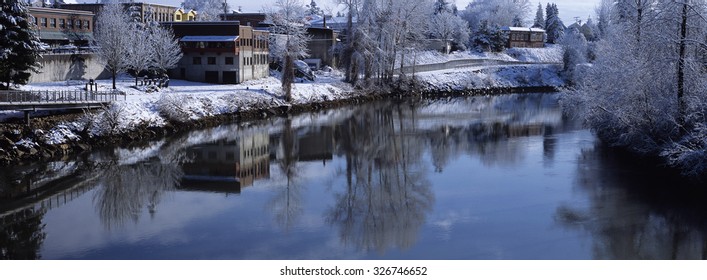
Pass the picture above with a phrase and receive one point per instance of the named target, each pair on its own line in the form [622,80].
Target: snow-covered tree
[495,12]
[141,53]
[442,6]
[486,17]
[646,89]
[207,10]
[604,13]
[314,9]
[539,21]
[489,38]
[167,51]
[449,28]
[19,45]
[288,39]
[113,37]
[553,24]
[575,53]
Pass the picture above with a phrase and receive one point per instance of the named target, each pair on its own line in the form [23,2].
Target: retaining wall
[63,67]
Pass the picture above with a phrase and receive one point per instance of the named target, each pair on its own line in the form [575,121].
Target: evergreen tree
[313,9]
[517,21]
[489,38]
[442,6]
[19,44]
[553,24]
[539,18]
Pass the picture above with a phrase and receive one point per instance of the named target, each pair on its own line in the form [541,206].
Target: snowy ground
[550,54]
[537,75]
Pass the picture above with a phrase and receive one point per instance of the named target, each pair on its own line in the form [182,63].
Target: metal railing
[58,96]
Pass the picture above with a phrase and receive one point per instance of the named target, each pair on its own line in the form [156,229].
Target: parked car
[66,49]
[302,70]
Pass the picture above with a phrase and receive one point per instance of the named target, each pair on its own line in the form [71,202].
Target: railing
[58,97]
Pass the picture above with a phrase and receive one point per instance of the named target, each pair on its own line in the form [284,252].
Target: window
[78,24]
[196,60]
[178,17]
[211,60]
[52,22]
[70,24]
[62,23]
[43,22]
[229,60]
[87,24]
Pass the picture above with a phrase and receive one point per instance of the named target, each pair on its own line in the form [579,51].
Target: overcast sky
[568,8]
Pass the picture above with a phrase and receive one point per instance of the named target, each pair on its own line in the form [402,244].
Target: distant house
[224,52]
[182,15]
[524,37]
[60,26]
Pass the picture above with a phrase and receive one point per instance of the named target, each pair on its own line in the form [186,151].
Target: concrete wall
[62,67]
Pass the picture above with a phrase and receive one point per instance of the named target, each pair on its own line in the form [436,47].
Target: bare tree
[449,28]
[167,51]
[113,37]
[288,39]
[140,56]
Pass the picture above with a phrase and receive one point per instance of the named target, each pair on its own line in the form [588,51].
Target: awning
[209,38]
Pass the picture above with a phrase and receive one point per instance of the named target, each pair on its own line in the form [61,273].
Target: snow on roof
[209,38]
[510,28]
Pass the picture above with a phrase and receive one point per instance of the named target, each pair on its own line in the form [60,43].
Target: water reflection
[366,180]
[637,211]
[387,194]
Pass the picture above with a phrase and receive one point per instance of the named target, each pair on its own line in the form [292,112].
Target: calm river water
[504,177]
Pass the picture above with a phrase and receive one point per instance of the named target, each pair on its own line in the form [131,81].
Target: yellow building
[181,15]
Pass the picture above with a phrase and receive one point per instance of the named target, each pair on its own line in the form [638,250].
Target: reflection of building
[60,26]
[316,145]
[220,52]
[227,166]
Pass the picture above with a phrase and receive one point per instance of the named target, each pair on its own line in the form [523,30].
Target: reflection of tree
[387,194]
[126,189]
[637,211]
[287,203]
[21,235]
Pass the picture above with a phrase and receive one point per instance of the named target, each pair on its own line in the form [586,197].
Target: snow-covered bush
[172,107]
[109,119]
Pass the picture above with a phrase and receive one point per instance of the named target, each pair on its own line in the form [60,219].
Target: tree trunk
[288,77]
[114,74]
[681,64]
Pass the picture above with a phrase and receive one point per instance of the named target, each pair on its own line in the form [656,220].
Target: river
[495,177]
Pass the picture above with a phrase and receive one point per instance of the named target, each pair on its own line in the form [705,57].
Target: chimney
[324,22]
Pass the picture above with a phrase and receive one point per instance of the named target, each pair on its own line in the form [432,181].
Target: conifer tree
[539,18]
[19,44]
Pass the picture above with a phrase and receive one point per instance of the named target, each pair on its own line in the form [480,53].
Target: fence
[39,97]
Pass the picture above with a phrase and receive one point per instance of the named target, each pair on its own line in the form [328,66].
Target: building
[60,26]
[223,52]
[247,19]
[181,15]
[155,12]
[321,43]
[524,37]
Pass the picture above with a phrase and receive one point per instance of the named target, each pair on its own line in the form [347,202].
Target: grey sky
[568,8]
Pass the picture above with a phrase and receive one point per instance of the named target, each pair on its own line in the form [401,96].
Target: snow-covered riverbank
[185,103]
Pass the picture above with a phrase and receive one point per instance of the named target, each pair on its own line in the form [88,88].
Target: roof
[59,11]
[525,29]
[209,38]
